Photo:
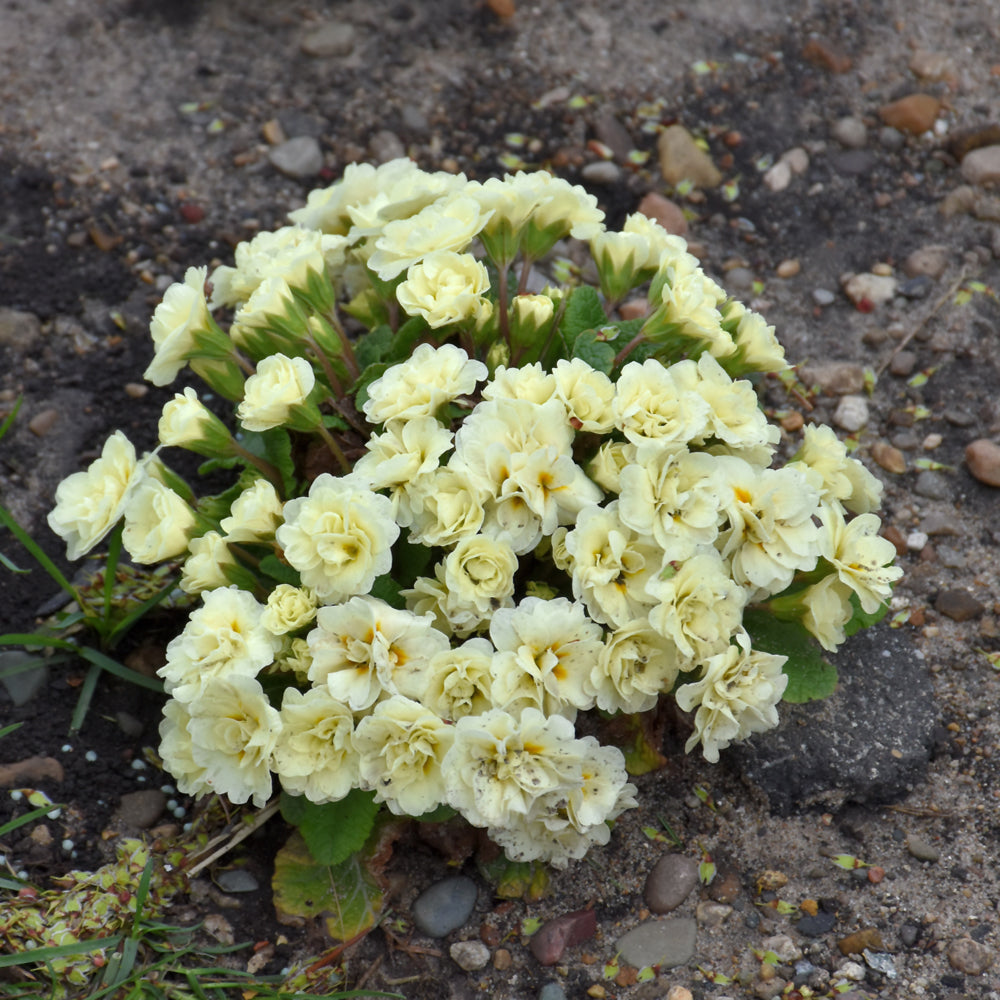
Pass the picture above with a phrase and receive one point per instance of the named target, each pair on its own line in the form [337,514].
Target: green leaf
[848,862]
[639,738]
[39,556]
[347,895]
[368,375]
[528,880]
[810,677]
[332,831]
[273,567]
[583,312]
[861,619]
[278,451]
[599,354]
[405,339]
[10,565]
[11,417]
[373,346]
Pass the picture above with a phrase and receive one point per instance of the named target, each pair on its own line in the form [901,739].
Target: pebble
[869,290]
[666,943]
[824,53]
[726,886]
[817,925]
[959,418]
[937,523]
[664,211]
[237,880]
[41,423]
[823,296]
[614,135]
[851,132]
[932,65]
[889,458]
[22,685]
[299,158]
[851,413]
[682,159]
[894,535]
[334,38]
[670,882]
[836,378]
[932,485]
[853,162]
[385,146]
[856,943]
[552,991]
[31,770]
[909,934]
[140,810]
[444,906]
[778,177]
[915,113]
[891,138]
[602,172]
[552,939]
[916,540]
[982,166]
[502,959]
[679,993]
[740,278]
[903,363]
[916,288]
[19,330]
[958,605]
[710,914]
[970,956]
[470,955]
[797,159]
[881,962]
[783,947]
[853,971]
[788,268]
[983,459]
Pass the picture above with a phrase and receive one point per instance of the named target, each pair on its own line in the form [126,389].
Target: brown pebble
[876,874]
[958,605]
[31,770]
[597,991]
[135,390]
[823,53]
[983,459]
[970,956]
[915,113]
[633,309]
[502,8]
[273,133]
[489,934]
[41,423]
[788,268]
[502,959]
[771,881]
[627,977]
[191,212]
[560,933]
[679,993]
[792,421]
[894,535]
[855,944]
[725,887]
[889,458]
[664,211]
[809,906]
[903,363]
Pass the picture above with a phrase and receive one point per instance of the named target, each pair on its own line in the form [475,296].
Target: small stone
[22,685]
[931,260]
[778,177]
[783,947]
[614,135]
[670,882]
[602,172]
[881,962]
[909,934]
[852,971]
[140,810]
[959,418]
[817,925]
[903,363]
[850,132]
[788,268]
[682,159]
[552,991]
[851,413]
[916,288]
[938,523]
[891,138]
[136,390]
[856,943]
[726,886]
[679,993]
[932,485]
[444,906]
[982,166]
[664,211]
[552,939]
[502,959]
[889,458]
[273,133]
[983,459]
[792,421]
[824,53]
[299,158]
[921,849]
[386,146]
[835,378]
[633,309]
[129,724]
[797,159]
[823,296]
[932,441]
[41,423]
[237,880]
[894,535]
[710,914]
[470,955]
[19,330]
[666,943]
[740,278]
[970,956]
[958,605]
[932,65]
[333,38]
[867,291]
[29,771]
[916,540]
[915,113]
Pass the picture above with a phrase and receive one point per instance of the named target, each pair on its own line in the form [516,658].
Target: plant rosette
[468,506]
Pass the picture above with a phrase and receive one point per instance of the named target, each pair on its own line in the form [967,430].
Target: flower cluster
[473,506]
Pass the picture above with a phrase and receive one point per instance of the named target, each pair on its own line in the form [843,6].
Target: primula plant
[469,505]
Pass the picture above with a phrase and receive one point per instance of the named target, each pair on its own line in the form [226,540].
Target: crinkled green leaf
[332,831]
[368,375]
[273,567]
[583,312]
[810,677]
[861,619]
[347,895]
[599,354]
[527,880]
[373,346]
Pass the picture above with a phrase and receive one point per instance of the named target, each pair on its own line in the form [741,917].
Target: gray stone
[711,914]
[299,158]
[740,279]
[921,849]
[823,296]
[958,605]
[19,330]
[982,166]
[837,378]
[333,38]
[890,138]
[931,260]
[140,810]
[882,962]
[937,523]
[817,924]
[783,947]
[23,674]
[970,956]
[850,132]
[903,363]
[869,742]
[614,135]
[386,146]
[932,485]
[682,159]
[552,991]
[602,172]
[670,882]
[444,906]
[851,413]
[469,955]
[778,177]
[983,459]
[237,880]
[666,943]
[853,162]
[874,289]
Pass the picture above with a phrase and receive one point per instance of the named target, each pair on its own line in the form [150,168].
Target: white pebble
[90,756]
[916,540]
[171,805]
[138,765]
[54,813]
[851,413]
[168,789]
[67,845]
[17,795]
[66,748]
[179,813]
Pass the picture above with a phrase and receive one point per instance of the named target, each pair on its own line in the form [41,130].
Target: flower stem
[270,471]
[629,348]
[335,449]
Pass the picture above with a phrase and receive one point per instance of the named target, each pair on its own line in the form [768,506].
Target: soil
[135,143]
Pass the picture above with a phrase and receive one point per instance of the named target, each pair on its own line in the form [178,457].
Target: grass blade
[33,547]
[99,659]
[7,730]
[33,639]
[28,817]
[87,690]
[37,956]
[123,627]
[11,417]
[111,568]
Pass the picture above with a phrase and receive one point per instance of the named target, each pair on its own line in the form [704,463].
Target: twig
[244,831]
[963,275]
